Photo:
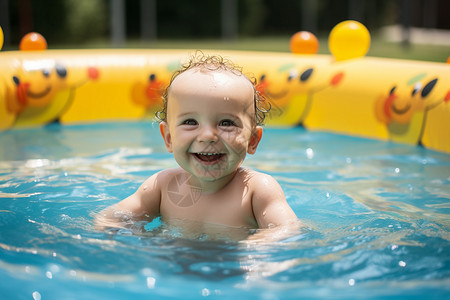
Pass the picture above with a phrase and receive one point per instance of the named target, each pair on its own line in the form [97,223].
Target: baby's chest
[232,208]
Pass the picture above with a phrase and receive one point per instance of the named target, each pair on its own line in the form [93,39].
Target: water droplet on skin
[264,213]
[145,187]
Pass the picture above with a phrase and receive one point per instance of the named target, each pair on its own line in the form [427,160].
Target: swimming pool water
[377,217]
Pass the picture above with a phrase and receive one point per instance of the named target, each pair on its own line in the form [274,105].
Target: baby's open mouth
[209,157]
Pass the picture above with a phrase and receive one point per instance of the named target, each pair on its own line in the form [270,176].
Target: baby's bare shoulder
[258,180]
[164,176]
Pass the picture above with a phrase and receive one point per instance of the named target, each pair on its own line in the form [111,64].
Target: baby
[211,119]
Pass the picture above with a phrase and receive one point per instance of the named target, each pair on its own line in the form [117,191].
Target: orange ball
[33,41]
[304,42]
[448,60]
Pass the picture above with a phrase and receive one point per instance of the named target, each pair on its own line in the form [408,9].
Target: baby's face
[211,122]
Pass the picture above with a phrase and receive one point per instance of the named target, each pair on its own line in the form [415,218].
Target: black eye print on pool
[429,87]
[46,73]
[152,77]
[306,75]
[61,71]
[416,89]
[263,76]
[290,77]
[16,80]
[392,91]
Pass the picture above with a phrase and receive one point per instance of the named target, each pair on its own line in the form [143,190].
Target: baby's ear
[254,139]
[164,128]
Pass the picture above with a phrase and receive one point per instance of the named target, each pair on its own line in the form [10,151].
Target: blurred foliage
[84,20]
[62,21]
[252,16]
[87,19]
[264,25]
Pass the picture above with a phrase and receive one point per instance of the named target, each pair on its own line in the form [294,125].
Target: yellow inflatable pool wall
[398,100]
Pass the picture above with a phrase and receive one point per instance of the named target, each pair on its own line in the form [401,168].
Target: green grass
[436,53]
[379,47]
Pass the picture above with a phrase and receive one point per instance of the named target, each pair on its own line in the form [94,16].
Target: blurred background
[410,29]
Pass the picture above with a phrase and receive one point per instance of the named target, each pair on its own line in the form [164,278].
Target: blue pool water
[377,217]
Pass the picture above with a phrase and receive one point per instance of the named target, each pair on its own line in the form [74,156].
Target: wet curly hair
[216,62]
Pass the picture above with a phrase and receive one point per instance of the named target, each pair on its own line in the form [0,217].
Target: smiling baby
[211,120]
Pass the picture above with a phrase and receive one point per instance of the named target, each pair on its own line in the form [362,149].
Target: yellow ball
[1,38]
[349,39]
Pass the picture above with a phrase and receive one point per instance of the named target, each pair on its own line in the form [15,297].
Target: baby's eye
[227,123]
[190,122]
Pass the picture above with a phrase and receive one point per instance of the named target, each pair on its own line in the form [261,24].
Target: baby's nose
[208,134]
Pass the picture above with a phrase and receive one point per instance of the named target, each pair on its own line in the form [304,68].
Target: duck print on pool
[291,93]
[41,92]
[404,109]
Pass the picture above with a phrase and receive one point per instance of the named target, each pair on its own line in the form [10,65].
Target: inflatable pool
[397,100]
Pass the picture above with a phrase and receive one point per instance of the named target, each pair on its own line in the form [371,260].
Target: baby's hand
[114,218]
[275,233]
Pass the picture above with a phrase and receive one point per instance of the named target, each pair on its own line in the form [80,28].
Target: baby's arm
[271,210]
[269,203]
[142,205]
